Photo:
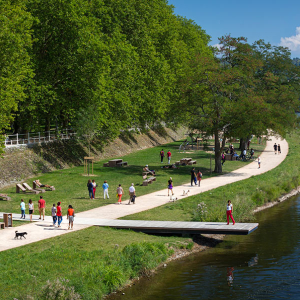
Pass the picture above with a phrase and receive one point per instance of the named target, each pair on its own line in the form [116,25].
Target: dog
[185,192]
[173,198]
[20,234]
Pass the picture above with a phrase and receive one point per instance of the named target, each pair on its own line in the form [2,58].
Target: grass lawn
[71,184]
[245,195]
[94,261]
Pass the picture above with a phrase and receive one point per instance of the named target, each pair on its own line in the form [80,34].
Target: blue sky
[276,22]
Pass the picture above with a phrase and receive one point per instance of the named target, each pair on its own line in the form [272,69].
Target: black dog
[20,234]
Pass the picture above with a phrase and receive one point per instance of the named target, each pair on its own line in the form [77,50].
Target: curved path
[42,230]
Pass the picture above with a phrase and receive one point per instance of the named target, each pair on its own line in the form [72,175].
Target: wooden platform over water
[175,227]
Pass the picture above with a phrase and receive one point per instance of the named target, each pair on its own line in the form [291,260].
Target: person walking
[193,176]
[90,189]
[22,205]
[279,149]
[53,214]
[229,211]
[31,209]
[259,162]
[94,187]
[275,148]
[169,154]
[162,155]
[120,193]
[70,217]
[223,158]
[131,194]
[170,186]
[199,177]
[105,187]
[59,214]
[42,207]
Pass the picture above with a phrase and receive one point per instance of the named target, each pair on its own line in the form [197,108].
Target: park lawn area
[95,261]
[70,184]
[245,195]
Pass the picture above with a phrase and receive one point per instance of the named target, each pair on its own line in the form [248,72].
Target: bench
[192,162]
[177,163]
[149,181]
[146,173]
[106,164]
[2,225]
[122,164]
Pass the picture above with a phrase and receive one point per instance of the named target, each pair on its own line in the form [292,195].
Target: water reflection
[275,275]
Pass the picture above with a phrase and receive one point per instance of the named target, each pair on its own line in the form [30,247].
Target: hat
[146,165]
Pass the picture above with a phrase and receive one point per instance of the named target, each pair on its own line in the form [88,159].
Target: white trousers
[106,193]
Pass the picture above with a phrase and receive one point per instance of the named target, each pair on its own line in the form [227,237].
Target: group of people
[277,148]
[162,155]
[132,194]
[56,212]
[196,177]
[92,186]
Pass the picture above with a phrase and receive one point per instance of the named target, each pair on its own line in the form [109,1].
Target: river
[262,265]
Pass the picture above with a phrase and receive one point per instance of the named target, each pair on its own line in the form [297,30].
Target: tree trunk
[218,152]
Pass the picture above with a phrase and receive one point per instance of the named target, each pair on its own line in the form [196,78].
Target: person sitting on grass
[146,169]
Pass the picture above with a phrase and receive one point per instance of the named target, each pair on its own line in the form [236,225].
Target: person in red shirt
[59,213]
[169,156]
[42,207]
[70,216]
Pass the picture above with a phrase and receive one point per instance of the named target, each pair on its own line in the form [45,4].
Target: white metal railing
[14,140]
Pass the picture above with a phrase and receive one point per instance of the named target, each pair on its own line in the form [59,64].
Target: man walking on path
[169,156]
[105,187]
[131,194]
[42,207]
[275,148]
[193,176]
[162,155]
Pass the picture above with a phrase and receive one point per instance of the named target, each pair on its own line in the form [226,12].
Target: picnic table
[185,160]
[114,162]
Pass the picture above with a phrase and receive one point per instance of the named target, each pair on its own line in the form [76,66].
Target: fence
[15,140]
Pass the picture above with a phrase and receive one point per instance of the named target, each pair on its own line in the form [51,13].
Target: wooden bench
[228,156]
[29,189]
[177,163]
[146,173]
[2,225]
[192,162]
[148,181]
[122,164]
[114,162]
[4,197]
[106,164]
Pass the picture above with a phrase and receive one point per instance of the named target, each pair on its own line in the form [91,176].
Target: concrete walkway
[42,230]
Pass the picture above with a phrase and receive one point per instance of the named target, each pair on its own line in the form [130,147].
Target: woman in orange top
[70,216]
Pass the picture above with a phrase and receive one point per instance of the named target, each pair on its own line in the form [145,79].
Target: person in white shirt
[131,194]
[229,211]
[259,162]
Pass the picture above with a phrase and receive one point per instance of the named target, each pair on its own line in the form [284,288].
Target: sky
[276,22]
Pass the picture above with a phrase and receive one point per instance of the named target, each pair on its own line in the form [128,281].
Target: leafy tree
[15,42]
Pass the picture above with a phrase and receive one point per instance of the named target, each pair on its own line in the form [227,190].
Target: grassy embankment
[71,187]
[97,260]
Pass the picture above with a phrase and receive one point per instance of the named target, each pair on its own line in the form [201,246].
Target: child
[53,214]
[258,160]
[22,205]
[31,209]
[70,216]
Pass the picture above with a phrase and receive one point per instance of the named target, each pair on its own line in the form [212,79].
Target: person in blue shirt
[22,205]
[91,189]
[105,187]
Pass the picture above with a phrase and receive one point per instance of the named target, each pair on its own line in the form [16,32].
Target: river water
[262,265]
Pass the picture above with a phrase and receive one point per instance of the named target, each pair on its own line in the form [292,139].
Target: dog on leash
[173,198]
[185,192]
[20,234]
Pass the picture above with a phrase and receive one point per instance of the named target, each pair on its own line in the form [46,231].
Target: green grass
[71,187]
[245,195]
[95,261]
